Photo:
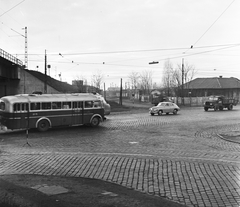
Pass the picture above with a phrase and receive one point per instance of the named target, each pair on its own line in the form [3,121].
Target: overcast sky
[124,34]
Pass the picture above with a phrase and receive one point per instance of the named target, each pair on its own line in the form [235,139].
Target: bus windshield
[2,105]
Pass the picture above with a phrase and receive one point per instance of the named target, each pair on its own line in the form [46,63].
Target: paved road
[180,157]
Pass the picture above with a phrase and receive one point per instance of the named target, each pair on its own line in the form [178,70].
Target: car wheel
[167,113]
[175,111]
[205,108]
[152,114]
[43,125]
[95,121]
[160,112]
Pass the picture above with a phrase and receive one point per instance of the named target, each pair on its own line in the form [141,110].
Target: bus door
[88,111]
[77,113]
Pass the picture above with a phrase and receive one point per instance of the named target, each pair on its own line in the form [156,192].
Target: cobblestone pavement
[178,157]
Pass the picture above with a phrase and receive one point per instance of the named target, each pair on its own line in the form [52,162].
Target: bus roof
[50,97]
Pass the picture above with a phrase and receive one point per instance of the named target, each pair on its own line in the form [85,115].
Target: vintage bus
[26,111]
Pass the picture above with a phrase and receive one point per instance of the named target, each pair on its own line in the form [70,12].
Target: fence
[187,101]
[10,57]
[190,101]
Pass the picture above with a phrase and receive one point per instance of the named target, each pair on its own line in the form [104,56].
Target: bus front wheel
[95,121]
[43,125]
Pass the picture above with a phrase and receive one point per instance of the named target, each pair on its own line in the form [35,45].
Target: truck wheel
[205,108]
[230,107]
[220,108]
[215,108]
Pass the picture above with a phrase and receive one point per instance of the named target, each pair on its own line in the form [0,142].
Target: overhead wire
[68,61]
[137,51]
[210,27]
[11,8]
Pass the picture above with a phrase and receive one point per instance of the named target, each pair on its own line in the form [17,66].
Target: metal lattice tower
[26,49]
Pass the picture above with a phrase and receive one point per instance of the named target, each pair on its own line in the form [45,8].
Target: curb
[228,140]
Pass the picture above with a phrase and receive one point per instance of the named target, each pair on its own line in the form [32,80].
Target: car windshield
[161,104]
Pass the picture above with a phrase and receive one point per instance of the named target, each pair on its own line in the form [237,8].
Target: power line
[198,53]
[11,8]
[211,25]
[133,51]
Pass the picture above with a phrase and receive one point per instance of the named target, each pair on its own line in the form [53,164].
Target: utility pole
[120,97]
[104,91]
[45,78]
[182,81]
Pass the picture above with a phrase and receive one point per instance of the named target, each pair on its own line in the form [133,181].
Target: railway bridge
[10,73]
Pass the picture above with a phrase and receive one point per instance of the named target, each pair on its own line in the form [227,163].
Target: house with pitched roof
[203,87]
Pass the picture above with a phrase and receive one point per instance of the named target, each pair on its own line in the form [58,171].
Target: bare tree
[146,81]
[97,79]
[188,73]
[183,75]
[134,79]
[172,78]
[167,79]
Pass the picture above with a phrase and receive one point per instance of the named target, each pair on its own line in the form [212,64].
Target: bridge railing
[10,57]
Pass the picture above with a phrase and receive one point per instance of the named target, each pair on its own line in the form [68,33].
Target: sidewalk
[53,191]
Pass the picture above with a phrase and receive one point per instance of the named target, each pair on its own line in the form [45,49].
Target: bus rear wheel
[43,125]
[95,121]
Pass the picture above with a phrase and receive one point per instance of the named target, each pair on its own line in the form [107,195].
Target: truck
[219,103]
[156,97]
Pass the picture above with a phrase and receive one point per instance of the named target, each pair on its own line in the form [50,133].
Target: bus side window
[88,104]
[35,106]
[80,104]
[46,105]
[56,105]
[25,107]
[67,105]
[77,105]
[17,107]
